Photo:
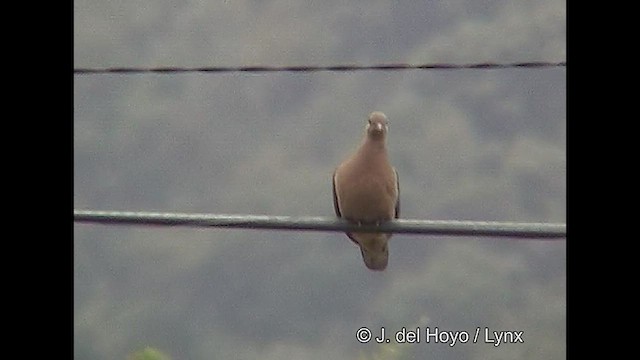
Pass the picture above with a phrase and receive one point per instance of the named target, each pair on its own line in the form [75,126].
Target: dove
[366,191]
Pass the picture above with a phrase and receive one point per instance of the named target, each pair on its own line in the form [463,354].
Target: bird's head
[378,125]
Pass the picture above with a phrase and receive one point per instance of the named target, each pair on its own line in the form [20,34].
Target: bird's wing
[336,206]
[397,214]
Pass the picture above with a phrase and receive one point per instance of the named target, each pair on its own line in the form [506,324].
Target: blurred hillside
[468,145]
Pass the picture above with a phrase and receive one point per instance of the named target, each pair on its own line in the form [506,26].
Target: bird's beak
[379,127]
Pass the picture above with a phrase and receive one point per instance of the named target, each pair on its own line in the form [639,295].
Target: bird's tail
[376,254]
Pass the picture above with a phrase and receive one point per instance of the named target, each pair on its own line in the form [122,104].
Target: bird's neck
[373,147]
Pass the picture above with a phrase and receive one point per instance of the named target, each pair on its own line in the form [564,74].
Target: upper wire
[314,68]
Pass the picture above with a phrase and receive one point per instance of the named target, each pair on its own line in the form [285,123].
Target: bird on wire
[366,191]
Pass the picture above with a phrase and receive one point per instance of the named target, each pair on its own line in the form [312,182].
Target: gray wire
[402,226]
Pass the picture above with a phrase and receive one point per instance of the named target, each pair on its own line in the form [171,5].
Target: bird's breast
[368,197]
